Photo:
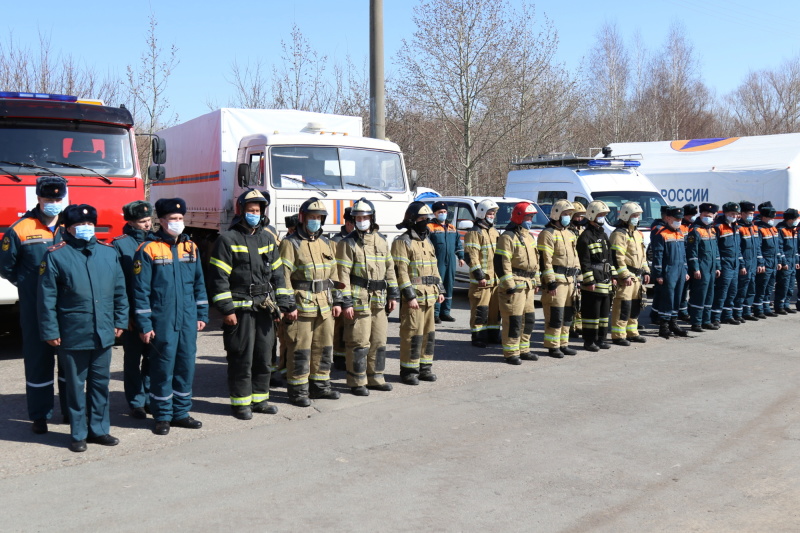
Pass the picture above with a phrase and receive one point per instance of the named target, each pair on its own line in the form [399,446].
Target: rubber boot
[298,395]
[425,373]
[408,376]
[321,390]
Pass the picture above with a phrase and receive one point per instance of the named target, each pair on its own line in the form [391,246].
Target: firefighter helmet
[628,210]
[414,211]
[595,209]
[559,209]
[520,211]
[578,209]
[250,196]
[313,206]
[484,206]
[362,208]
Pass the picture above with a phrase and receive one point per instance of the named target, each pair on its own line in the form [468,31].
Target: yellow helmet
[628,210]
[559,209]
[595,209]
[313,206]
[578,208]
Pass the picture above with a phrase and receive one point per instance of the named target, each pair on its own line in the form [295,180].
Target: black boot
[529,356]
[298,395]
[242,412]
[495,336]
[321,390]
[425,373]
[566,350]
[478,339]
[555,353]
[676,329]
[513,360]
[663,329]
[602,343]
[408,376]
[589,338]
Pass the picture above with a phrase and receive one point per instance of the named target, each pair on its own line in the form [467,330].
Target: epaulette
[118,237]
[56,246]
[105,244]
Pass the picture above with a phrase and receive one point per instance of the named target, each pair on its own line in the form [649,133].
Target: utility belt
[315,286]
[567,271]
[426,280]
[254,289]
[636,271]
[523,273]
[369,284]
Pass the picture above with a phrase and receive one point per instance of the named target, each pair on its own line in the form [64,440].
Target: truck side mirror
[156,173]
[243,174]
[412,182]
[159,150]
[464,224]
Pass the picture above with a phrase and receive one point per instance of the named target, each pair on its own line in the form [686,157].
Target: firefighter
[23,248]
[785,277]
[577,225]
[447,242]
[370,292]
[703,261]
[689,217]
[669,271]
[248,289]
[339,348]
[597,270]
[279,367]
[765,281]
[310,269]
[420,289]
[633,273]
[83,274]
[516,262]
[560,274]
[480,243]
[274,360]
[750,244]
[136,361]
[171,307]
[731,264]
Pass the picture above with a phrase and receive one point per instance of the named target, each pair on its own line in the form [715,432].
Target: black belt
[426,280]
[317,285]
[369,284]
[558,269]
[253,290]
[636,271]
[523,273]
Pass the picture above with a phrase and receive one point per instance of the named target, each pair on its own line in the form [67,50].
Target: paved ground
[699,434]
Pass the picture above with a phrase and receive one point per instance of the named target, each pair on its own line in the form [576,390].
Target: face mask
[600,220]
[175,227]
[85,232]
[489,220]
[252,219]
[748,219]
[730,220]
[421,226]
[527,224]
[565,220]
[772,222]
[441,217]
[676,224]
[313,225]
[794,222]
[634,221]
[52,210]
[693,218]
[707,220]
[363,225]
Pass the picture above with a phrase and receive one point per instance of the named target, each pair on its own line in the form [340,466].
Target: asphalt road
[698,434]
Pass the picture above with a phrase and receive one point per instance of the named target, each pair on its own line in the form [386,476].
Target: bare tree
[609,73]
[251,86]
[299,82]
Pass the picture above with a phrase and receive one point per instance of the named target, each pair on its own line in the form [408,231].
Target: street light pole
[377,100]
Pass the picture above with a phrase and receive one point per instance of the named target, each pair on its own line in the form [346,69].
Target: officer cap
[291,221]
[673,211]
[690,210]
[168,206]
[747,206]
[51,187]
[348,214]
[438,206]
[765,204]
[137,210]
[731,206]
[790,213]
[766,211]
[704,208]
[78,214]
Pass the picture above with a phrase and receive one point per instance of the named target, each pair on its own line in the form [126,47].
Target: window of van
[546,199]
[649,201]
[583,201]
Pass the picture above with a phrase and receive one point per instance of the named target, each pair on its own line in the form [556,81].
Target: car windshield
[650,202]
[504,216]
[104,148]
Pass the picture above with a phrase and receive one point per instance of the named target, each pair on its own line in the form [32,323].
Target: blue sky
[730,37]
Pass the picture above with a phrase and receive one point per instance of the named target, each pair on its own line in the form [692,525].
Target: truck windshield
[650,202]
[104,148]
[326,167]
[504,216]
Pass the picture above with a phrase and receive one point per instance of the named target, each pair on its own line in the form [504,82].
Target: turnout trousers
[595,308]
[365,339]
[784,281]
[519,317]
[88,409]
[484,310]
[249,349]
[765,286]
[40,359]
[745,294]
[628,303]
[725,288]
[136,369]
[701,298]
[172,356]
[309,354]
[417,337]
[339,343]
[558,314]
[577,319]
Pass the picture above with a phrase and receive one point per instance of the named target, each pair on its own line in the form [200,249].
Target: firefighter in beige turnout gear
[516,262]
[420,289]
[480,242]
[630,262]
[577,225]
[560,273]
[310,269]
[366,270]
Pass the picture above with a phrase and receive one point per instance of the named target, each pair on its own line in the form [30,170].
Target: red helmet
[521,210]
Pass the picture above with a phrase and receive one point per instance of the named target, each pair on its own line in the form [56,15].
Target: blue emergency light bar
[613,163]
[39,96]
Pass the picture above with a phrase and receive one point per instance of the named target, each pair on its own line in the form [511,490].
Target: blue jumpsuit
[447,243]
[784,283]
[702,255]
[731,261]
[765,282]
[669,263]
[750,244]
[686,227]
[171,299]
[136,360]
[81,301]
[21,254]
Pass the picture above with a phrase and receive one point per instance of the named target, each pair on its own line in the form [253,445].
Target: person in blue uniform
[752,262]
[21,254]
[689,216]
[765,280]
[171,307]
[82,308]
[702,258]
[136,361]
[449,251]
[669,271]
[731,264]
[785,277]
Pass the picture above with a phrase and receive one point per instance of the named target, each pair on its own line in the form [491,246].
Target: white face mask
[490,219]
[634,221]
[363,225]
[694,217]
[600,220]
[772,222]
[731,220]
[707,220]
[676,224]
[175,227]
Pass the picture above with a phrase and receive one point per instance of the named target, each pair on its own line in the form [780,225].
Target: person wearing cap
[689,217]
[370,292]
[657,223]
[731,264]
[633,273]
[560,274]
[248,288]
[480,243]
[21,253]
[765,280]
[447,242]
[702,258]
[420,289]
[82,308]
[785,277]
[339,348]
[309,265]
[750,245]
[576,226]
[136,361]
[171,307]
[516,264]
[669,271]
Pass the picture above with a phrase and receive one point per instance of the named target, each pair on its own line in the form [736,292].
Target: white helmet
[559,207]
[595,209]
[484,206]
[628,210]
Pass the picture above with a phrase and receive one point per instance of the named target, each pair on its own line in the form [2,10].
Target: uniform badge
[137,267]
[6,243]
[42,268]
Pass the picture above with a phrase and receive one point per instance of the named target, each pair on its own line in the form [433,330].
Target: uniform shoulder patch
[56,246]
[137,267]
[106,244]
[6,243]
[119,237]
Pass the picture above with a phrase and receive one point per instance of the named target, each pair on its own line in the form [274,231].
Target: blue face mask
[313,225]
[52,210]
[85,232]
[441,217]
[527,224]
[707,220]
[748,218]
[565,220]
[252,219]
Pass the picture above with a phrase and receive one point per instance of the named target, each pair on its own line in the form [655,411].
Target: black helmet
[413,211]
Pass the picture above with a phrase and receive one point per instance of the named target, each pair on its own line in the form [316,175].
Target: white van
[615,181]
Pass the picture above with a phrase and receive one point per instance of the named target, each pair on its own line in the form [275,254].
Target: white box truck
[292,155]
[759,168]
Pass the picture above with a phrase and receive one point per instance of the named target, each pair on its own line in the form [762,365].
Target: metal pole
[377,104]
